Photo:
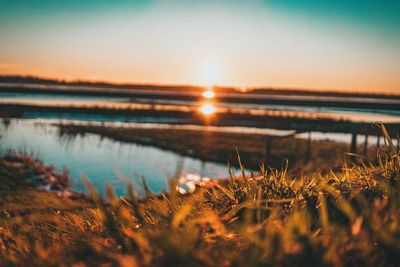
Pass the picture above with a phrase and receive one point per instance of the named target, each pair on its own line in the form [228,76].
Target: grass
[21,175]
[347,218]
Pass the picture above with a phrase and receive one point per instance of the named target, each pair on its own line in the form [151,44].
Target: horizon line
[216,86]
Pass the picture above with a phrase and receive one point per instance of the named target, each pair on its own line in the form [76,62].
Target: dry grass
[350,218]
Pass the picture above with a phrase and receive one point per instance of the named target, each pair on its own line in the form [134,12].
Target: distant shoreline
[25,80]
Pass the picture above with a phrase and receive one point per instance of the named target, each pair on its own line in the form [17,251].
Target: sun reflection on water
[207,109]
[208,94]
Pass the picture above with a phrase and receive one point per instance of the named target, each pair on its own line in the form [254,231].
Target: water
[102,159]
[351,114]
[59,98]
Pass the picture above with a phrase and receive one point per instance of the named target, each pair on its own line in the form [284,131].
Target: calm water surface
[374,114]
[101,159]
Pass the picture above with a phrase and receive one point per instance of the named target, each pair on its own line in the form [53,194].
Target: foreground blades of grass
[240,164]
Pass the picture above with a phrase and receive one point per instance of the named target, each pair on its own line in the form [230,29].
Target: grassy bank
[351,218]
[25,185]
[220,146]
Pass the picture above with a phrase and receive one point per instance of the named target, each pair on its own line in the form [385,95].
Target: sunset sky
[347,45]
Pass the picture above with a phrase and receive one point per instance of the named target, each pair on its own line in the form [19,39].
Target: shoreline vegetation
[345,218]
[304,156]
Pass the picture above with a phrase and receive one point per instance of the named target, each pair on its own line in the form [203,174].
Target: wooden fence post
[366,145]
[353,144]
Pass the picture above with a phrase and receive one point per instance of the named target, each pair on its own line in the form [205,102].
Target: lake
[101,159]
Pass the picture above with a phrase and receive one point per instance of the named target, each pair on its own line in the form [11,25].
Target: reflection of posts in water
[6,123]
[179,167]
[308,154]
[202,169]
[268,147]
[366,145]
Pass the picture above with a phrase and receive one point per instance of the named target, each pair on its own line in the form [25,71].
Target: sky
[329,45]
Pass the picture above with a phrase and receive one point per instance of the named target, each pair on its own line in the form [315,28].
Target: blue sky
[346,45]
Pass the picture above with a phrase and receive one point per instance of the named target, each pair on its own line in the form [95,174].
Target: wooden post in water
[268,147]
[308,155]
[353,145]
[366,145]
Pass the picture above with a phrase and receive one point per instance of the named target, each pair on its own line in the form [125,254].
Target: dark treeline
[45,81]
